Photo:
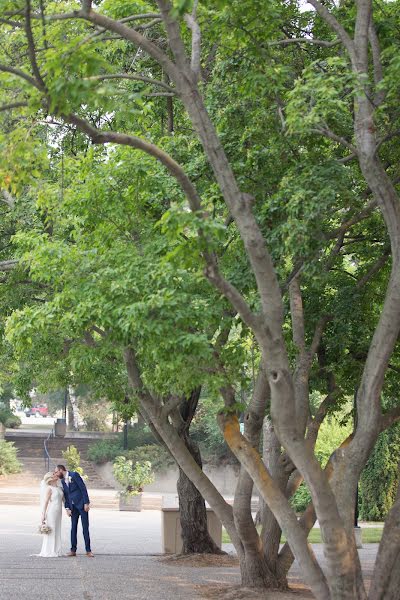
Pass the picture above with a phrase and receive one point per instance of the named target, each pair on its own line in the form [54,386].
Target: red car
[37,410]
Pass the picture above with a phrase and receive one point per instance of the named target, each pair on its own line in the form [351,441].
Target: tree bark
[73,403]
[386,579]
[271,531]
[192,508]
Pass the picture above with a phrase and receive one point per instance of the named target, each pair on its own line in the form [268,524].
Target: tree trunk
[271,532]
[255,572]
[193,514]
[74,414]
[386,579]
[253,566]
[70,417]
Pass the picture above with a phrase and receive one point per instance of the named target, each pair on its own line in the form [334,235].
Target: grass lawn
[370,535]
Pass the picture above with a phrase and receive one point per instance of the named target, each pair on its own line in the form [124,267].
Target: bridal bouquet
[44,528]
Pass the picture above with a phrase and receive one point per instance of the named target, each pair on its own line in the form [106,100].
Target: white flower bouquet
[44,529]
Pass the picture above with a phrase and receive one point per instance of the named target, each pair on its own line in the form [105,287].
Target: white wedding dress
[51,546]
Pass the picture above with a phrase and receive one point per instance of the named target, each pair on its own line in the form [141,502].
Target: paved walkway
[126,566]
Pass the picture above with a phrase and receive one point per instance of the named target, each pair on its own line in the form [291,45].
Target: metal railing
[46,450]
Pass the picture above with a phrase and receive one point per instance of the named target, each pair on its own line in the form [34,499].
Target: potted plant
[132,476]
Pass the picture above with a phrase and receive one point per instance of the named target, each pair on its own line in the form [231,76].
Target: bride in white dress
[52,497]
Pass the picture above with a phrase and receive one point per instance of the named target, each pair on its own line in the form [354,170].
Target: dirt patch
[200,560]
[229,592]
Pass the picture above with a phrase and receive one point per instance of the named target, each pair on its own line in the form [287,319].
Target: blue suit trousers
[76,513]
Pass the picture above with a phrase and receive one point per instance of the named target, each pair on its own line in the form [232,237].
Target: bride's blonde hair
[48,477]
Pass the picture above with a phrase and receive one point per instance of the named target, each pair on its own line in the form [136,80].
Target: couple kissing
[57,487]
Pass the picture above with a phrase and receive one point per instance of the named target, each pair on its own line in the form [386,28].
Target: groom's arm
[81,484]
[67,504]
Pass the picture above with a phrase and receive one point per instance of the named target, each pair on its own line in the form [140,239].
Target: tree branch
[21,74]
[133,36]
[315,41]
[326,132]
[297,315]
[376,59]
[31,47]
[10,23]
[169,406]
[193,25]
[99,136]
[374,269]
[7,199]
[389,418]
[86,5]
[363,214]
[337,27]
[319,329]
[8,265]
[213,274]
[134,78]
[12,105]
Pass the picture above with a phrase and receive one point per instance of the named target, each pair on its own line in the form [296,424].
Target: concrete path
[126,566]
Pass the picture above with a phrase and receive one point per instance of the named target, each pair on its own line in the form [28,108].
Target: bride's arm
[48,496]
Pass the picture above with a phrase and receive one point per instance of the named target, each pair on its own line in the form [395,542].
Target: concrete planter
[131,503]
[171,530]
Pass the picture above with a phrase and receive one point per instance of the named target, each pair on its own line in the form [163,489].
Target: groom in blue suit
[77,504]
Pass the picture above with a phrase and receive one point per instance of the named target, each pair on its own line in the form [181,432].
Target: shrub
[139,436]
[94,416]
[157,455]
[301,498]
[8,458]
[132,476]
[206,432]
[104,451]
[73,460]
[379,480]
[107,450]
[8,418]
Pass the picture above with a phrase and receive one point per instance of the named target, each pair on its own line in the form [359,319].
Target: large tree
[320,119]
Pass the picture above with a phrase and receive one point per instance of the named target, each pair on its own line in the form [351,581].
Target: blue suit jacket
[75,493]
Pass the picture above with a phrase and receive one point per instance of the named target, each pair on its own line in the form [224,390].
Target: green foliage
[206,432]
[132,476]
[73,460]
[139,436]
[325,89]
[8,418]
[94,414]
[301,499]
[160,459]
[380,478]
[104,451]
[331,434]
[8,458]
